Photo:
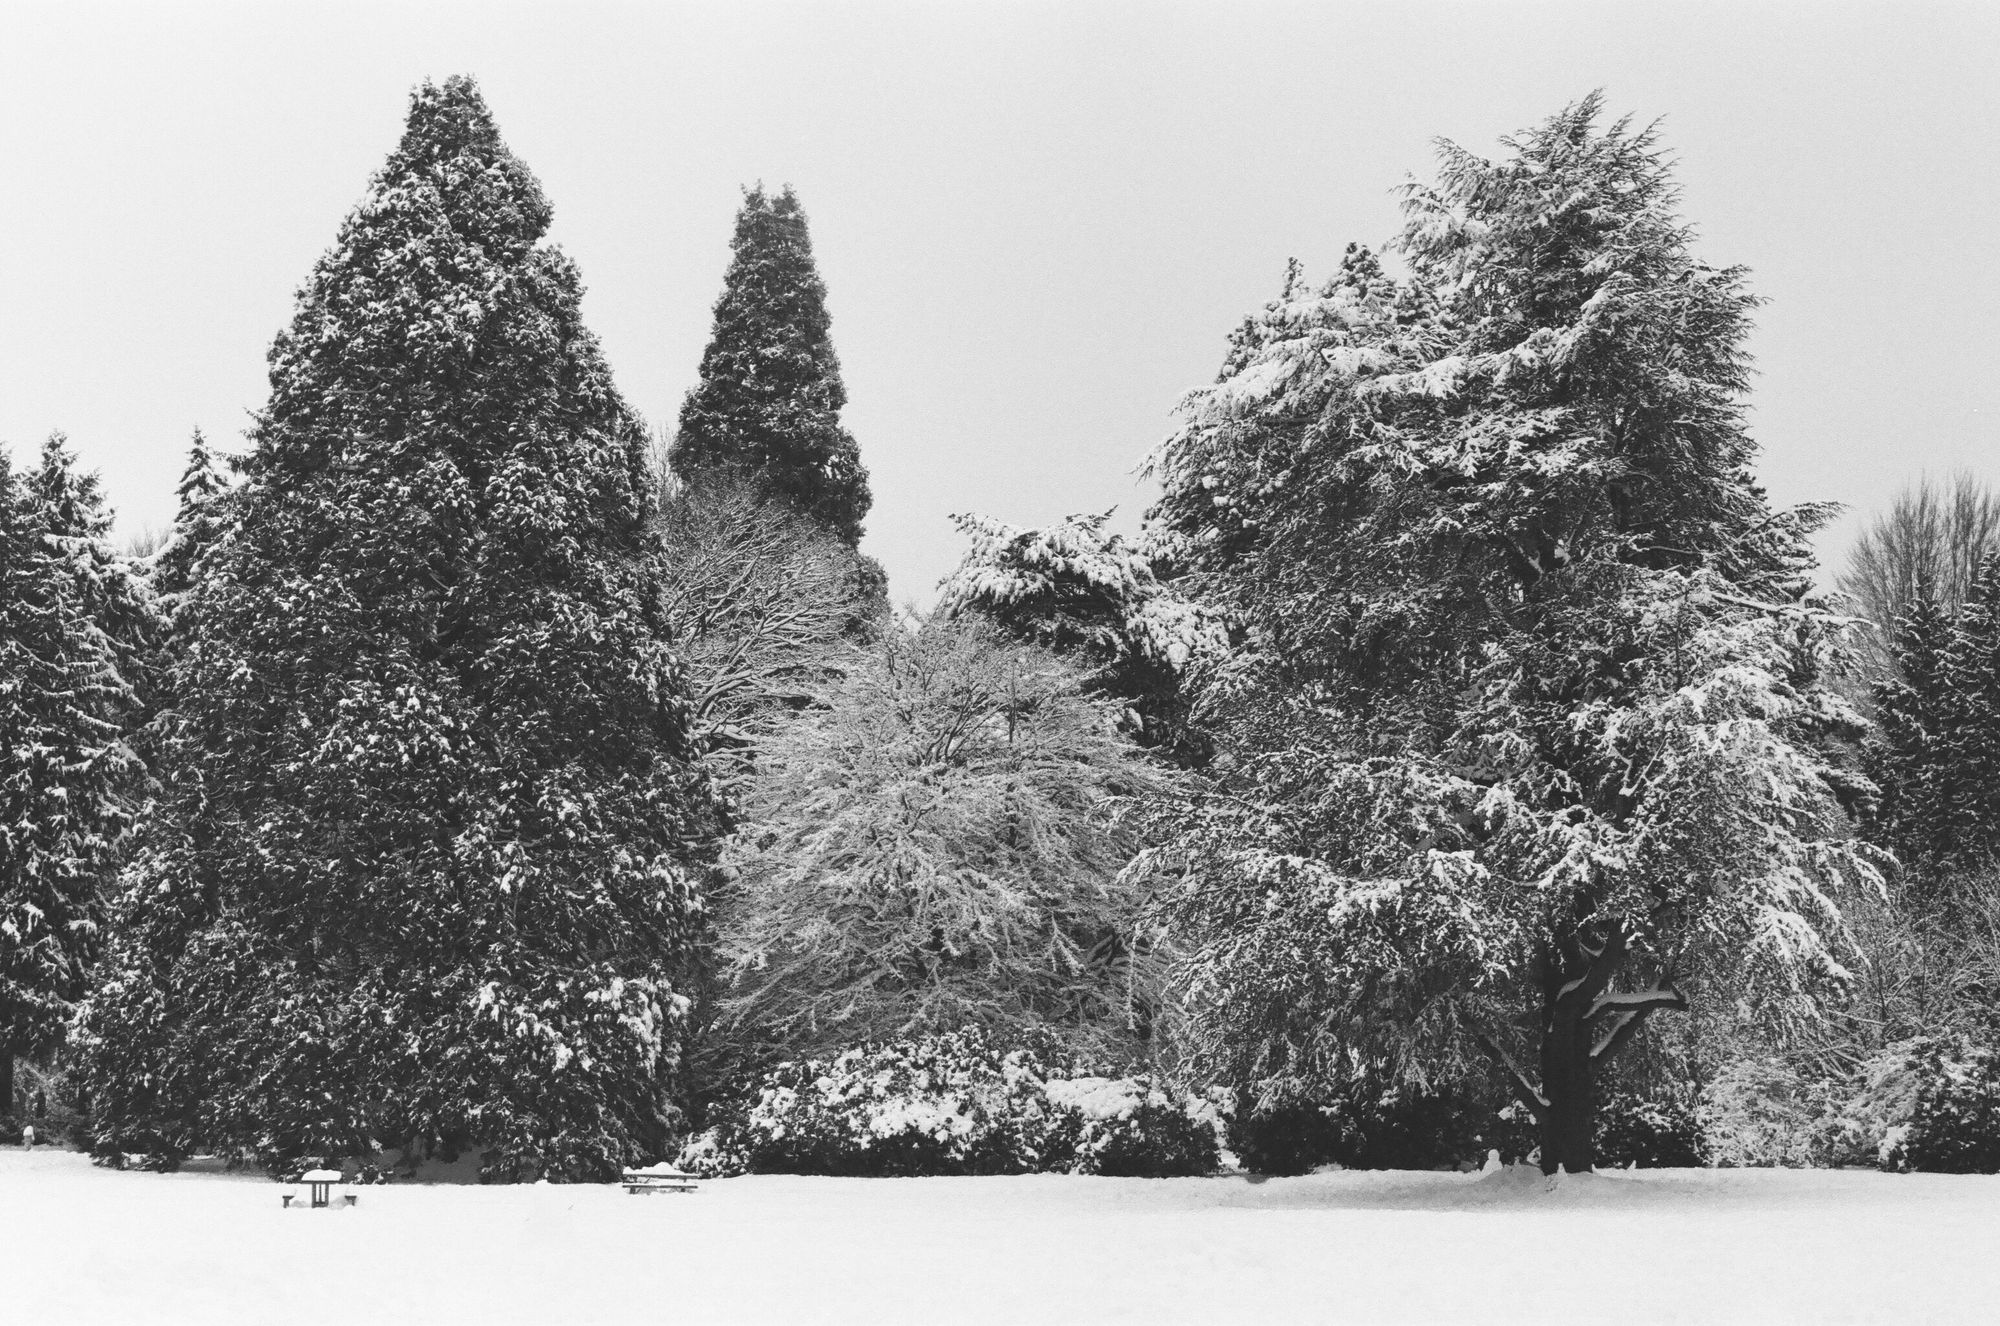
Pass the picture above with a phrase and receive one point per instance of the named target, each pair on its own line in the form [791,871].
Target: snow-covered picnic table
[319,1182]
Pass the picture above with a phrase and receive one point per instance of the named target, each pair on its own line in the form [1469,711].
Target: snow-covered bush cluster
[1371,1127]
[953,1103]
[1955,1126]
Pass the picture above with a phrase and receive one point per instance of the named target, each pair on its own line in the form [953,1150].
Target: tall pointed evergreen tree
[1915,711]
[423,872]
[77,530]
[65,775]
[198,524]
[768,404]
[1937,747]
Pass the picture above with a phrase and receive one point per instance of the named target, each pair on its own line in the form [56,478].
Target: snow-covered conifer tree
[1531,737]
[1937,751]
[77,529]
[198,524]
[1914,757]
[769,400]
[66,773]
[421,874]
[1098,600]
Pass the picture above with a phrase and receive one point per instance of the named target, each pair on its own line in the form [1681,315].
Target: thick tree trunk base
[1569,1120]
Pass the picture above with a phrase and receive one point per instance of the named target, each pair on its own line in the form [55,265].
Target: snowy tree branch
[1530,1096]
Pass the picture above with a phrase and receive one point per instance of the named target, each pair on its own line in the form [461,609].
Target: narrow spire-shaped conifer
[65,775]
[198,523]
[69,505]
[768,404]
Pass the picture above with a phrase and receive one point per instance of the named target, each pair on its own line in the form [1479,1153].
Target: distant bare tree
[1935,534]
[659,446]
[144,542]
[758,597]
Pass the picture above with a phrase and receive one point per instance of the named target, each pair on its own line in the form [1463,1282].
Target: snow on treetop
[1084,582]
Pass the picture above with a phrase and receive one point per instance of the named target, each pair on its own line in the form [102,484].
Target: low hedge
[950,1104]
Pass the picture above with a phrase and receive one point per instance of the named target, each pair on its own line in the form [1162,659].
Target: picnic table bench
[659,1178]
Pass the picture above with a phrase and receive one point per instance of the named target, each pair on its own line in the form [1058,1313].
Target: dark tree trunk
[1582,1023]
[1568,1123]
[6,1079]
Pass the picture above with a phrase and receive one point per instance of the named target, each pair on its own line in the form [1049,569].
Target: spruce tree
[424,872]
[1911,757]
[1967,762]
[198,524]
[77,529]
[769,400]
[65,779]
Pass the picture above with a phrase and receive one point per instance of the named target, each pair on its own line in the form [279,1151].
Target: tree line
[466,773]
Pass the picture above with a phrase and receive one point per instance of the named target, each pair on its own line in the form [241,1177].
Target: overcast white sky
[1037,222]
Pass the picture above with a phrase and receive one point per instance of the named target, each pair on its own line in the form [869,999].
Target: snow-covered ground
[83,1244]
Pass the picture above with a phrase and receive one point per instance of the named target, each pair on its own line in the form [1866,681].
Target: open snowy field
[87,1245]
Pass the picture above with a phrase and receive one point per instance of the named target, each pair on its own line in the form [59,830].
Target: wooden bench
[644,1180]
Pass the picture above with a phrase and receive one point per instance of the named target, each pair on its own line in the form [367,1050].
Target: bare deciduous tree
[1934,535]
[758,598]
[938,842]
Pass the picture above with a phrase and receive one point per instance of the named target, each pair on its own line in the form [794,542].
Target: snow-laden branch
[1664,996]
[1531,1095]
[1623,1014]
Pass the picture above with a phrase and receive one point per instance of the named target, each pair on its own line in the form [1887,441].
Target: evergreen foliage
[1936,751]
[935,844]
[954,1103]
[66,773]
[423,870]
[1532,732]
[1955,1128]
[199,522]
[76,528]
[769,400]
[1099,601]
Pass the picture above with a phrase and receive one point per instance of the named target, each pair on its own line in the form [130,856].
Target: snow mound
[1099,1097]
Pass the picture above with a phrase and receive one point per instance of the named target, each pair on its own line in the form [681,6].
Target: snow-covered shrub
[1410,1128]
[1373,1127]
[1956,1125]
[1130,1128]
[1867,1125]
[1761,1113]
[1650,1132]
[955,1103]
[1289,1138]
